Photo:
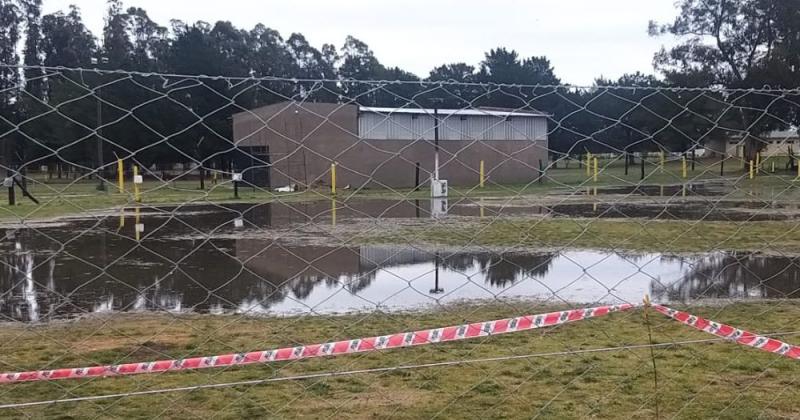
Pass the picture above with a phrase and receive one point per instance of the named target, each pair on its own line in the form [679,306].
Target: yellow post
[136,196]
[121,175]
[773,167]
[588,164]
[136,224]
[482,175]
[683,167]
[333,179]
[752,167]
[595,169]
[758,160]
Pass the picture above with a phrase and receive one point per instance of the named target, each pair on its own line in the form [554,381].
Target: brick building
[381,147]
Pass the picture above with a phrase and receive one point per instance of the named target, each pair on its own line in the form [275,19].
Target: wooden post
[625,155]
[541,172]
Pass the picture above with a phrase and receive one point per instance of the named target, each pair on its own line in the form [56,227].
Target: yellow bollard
[482,175]
[333,178]
[683,167]
[588,164]
[136,182]
[595,169]
[773,167]
[121,175]
[752,167]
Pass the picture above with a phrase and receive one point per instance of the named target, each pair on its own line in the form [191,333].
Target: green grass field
[71,197]
[719,379]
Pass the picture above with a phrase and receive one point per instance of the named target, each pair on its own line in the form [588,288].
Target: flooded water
[97,265]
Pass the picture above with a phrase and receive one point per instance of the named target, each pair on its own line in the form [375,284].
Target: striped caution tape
[405,339]
[734,334]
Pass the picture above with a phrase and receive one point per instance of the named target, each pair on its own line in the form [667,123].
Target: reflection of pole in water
[138,226]
[436,289]
[333,212]
[416,208]
[28,291]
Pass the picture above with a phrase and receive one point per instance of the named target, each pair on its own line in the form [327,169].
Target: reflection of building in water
[727,275]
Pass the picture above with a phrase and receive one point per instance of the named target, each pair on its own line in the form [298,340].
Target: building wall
[303,141]
[772,146]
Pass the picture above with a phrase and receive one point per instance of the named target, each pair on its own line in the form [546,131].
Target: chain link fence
[396,249]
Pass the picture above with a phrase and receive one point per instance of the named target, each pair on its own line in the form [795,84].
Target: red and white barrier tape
[734,334]
[405,339]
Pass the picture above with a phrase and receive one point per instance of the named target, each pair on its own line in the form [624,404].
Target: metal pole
[642,159]
[436,144]
[416,177]
[101,186]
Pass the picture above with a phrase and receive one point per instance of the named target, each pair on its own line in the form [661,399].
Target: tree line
[725,47]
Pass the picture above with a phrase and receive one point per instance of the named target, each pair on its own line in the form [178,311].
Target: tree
[32,52]
[733,44]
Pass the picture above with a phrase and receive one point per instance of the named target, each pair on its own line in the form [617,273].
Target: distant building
[774,143]
[380,147]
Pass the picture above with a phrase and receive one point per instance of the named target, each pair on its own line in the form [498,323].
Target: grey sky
[582,38]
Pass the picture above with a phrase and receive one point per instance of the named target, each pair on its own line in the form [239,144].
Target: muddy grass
[695,381]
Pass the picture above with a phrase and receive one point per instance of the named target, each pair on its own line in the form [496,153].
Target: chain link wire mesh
[160,216]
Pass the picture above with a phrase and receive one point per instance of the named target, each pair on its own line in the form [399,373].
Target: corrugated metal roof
[449,112]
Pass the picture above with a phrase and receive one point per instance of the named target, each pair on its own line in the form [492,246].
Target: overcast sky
[582,38]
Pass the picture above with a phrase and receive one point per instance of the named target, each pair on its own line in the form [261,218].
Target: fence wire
[157,217]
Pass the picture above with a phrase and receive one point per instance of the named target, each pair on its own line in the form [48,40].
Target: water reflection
[178,267]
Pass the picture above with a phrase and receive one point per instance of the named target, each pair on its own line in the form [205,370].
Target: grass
[695,381]
[68,197]
[667,236]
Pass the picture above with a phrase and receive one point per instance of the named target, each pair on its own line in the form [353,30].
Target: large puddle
[90,266]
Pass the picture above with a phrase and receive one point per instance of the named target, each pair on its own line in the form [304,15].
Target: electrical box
[439,188]
[439,207]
